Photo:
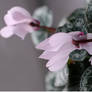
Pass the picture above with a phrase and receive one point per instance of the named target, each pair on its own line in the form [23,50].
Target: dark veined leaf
[89,12]
[78,55]
[44,15]
[86,80]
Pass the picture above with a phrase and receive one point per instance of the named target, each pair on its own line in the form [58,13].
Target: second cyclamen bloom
[18,22]
[60,45]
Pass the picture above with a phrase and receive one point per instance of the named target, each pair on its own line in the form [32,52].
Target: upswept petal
[60,58]
[59,46]
[60,63]
[87,47]
[58,40]
[7,32]
[44,45]
[17,15]
[21,30]
[74,33]
[47,55]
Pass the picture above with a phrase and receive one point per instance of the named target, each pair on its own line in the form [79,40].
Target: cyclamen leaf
[86,80]
[79,20]
[78,55]
[62,22]
[78,13]
[80,25]
[90,28]
[65,28]
[45,16]
[89,12]
[57,80]
[75,72]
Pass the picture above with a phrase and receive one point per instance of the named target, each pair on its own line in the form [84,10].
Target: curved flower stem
[50,29]
[81,41]
[53,30]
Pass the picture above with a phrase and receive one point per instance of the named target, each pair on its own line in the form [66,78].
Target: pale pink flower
[60,45]
[18,22]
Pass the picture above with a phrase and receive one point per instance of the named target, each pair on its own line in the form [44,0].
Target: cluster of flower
[57,47]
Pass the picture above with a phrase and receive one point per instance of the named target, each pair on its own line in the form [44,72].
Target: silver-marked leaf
[67,27]
[62,22]
[78,55]
[45,16]
[57,81]
[86,80]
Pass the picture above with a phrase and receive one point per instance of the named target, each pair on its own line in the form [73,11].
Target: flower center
[79,38]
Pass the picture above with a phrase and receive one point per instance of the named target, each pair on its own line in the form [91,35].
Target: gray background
[20,69]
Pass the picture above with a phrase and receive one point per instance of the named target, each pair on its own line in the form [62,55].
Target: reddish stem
[53,30]
[49,29]
[81,41]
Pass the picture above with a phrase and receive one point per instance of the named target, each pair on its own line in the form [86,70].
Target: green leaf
[65,28]
[62,22]
[89,12]
[90,28]
[79,20]
[78,13]
[78,55]
[45,16]
[56,81]
[80,25]
[86,80]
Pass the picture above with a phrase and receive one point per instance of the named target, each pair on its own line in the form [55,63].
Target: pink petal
[62,55]
[44,45]
[55,49]
[54,42]
[74,33]
[21,30]
[17,15]
[90,60]
[7,32]
[60,63]
[59,39]
[47,55]
[28,28]
[87,47]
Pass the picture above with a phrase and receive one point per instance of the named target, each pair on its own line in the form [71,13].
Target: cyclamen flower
[60,45]
[18,22]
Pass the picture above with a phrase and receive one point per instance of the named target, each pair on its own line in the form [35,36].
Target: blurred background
[20,69]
